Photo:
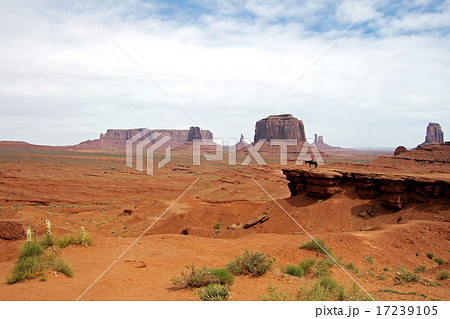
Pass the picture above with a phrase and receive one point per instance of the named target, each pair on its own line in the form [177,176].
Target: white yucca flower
[28,234]
[82,230]
[49,225]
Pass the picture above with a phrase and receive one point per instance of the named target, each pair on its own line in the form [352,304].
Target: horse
[311,163]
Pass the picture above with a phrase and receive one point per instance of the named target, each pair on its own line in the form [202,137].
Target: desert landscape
[382,217]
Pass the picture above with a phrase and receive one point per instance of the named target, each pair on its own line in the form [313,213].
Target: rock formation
[194,134]
[394,191]
[11,230]
[435,135]
[399,150]
[115,139]
[283,126]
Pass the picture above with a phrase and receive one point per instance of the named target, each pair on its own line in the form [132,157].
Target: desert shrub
[224,276]
[217,225]
[351,267]
[61,266]
[255,263]
[195,277]
[30,249]
[420,269]
[307,264]
[84,238]
[214,292]
[430,255]
[293,270]
[66,241]
[443,274]
[27,268]
[439,261]
[49,242]
[404,276]
[324,289]
[369,259]
[33,266]
[276,294]
[317,245]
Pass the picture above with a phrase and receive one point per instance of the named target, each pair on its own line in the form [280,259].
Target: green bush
[255,263]
[30,249]
[307,265]
[443,274]
[224,276]
[420,269]
[214,292]
[405,276]
[84,239]
[66,241]
[430,255]
[33,266]
[369,259]
[439,261]
[276,294]
[317,245]
[195,278]
[217,225]
[351,267]
[324,289]
[49,242]
[293,270]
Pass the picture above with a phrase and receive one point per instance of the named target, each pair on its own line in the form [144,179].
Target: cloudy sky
[221,65]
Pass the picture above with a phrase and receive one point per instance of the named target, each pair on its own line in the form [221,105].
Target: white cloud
[66,81]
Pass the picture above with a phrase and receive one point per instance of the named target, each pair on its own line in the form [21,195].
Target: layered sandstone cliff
[392,190]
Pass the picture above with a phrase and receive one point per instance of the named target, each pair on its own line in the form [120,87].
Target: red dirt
[92,189]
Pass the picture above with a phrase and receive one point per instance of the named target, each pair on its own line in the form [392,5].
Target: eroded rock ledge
[394,191]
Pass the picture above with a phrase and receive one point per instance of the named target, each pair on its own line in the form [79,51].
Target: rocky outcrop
[399,150]
[394,191]
[435,135]
[11,230]
[115,140]
[283,126]
[194,134]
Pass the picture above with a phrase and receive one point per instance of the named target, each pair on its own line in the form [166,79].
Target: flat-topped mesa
[435,135]
[115,134]
[283,126]
[176,135]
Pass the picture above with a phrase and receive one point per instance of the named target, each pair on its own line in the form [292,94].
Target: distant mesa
[283,126]
[435,135]
[115,139]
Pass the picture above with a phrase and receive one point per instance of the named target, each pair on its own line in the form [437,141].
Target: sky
[223,65]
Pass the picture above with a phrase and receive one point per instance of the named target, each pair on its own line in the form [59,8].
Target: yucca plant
[84,238]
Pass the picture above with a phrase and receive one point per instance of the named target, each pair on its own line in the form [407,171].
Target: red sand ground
[92,189]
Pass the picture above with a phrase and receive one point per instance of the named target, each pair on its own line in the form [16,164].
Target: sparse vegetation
[66,241]
[275,293]
[404,276]
[195,277]
[351,267]
[255,263]
[217,226]
[307,265]
[420,269]
[443,274]
[224,276]
[214,292]
[439,261]
[430,255]
[293,270]
[84,238]
[328,289]
[317,245]
[369,259]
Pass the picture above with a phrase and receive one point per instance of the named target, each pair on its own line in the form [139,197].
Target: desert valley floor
[93,189]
